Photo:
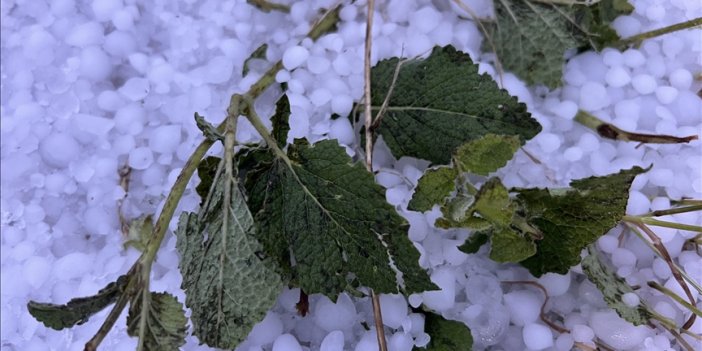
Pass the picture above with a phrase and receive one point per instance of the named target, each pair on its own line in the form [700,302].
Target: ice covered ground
[89,87]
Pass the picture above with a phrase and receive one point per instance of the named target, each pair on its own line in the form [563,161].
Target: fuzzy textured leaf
[78,310]
[613,288]
[228,286]
[571,219]
[446,335]
[280,119]
[531,38]
[509,245]
[331,216]
[433,187]
[166,323]
[487,154]
[442,102]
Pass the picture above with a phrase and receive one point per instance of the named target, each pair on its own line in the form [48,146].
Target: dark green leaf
[206,171]
[531,38]
[446,335]
[331,216]
[165,326]
[228,286]
[487,154]
[613,288]
[442,102]
[78,310]
[435,185]
[475,241]
[571,219]
[281,127]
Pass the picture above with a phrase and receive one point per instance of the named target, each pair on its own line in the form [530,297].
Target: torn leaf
[165,326]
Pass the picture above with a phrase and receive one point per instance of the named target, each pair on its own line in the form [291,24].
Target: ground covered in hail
[91,88]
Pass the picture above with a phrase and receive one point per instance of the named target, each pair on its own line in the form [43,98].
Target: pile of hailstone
[89,87]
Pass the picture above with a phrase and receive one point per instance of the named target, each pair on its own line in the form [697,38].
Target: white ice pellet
[630,299]
[267,330]
[565,109]
[617,77]
[549,142]
[644,84]
[85,34]
[593,96]
[616,332]
[94,63]
[334,316]
[524,307]
[72,265]
[394,309]
[334,341]
[440,300]
[286,342]
[119,44]
[537,336]
[634,58]
[622,257]
[58,149]
[36,271]
[341,130]
[582,333]
[318,64]
[661,177]
[319,97]
[666,94]
[135,88]
[368,342]
[141,158]
[564,342]
[555,284]
[294,57]
[573,154]
[680,78]
[400,342]
[425,19]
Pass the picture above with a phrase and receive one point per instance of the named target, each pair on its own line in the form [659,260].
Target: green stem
[637,39]
[610,131]
[675,297]
[671,211]
[659,223]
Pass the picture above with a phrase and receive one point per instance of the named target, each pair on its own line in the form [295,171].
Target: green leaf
[475,241]
[491,206]
[571,219]
[508,245]
[281,127]
[531,38]
[446,335]
[326,214]
[258,54]
[165,325]
[487,154]
[435,185]
[140,230]
[442,102]
[457,213]
[206,171]
[595,21]
[613,288]
[229,288]
[78,310]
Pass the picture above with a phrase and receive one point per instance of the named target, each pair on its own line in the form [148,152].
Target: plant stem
[659,223]
[675,297]
[610,131]
[671,211]
[368,114]
[637,39]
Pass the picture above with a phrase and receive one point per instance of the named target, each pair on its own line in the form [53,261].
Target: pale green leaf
[139,234]
[433,187]
[491,206]
[446,335]
[165,325]
[613,288]
[573,218]
[228,286]
[442,102]
[326,214]
[486,154]
[509,245]
[77,311]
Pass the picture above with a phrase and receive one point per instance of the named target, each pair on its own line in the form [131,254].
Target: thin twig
[674,270]
[368,118]
[674,296]
[488,37]
[637,39]
[386,102]
[671,211]
[542,314]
